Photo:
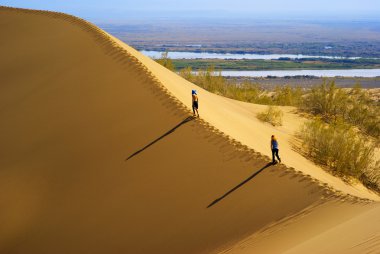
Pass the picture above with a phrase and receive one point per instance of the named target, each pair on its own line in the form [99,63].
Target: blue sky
[103,10]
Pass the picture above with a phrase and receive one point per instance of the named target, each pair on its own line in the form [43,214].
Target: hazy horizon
[119,10]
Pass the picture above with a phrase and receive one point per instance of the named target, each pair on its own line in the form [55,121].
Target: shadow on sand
[239,185]
[186,120]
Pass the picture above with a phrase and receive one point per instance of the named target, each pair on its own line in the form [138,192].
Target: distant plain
[330,37]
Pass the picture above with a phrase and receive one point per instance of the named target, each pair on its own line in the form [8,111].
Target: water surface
[205,55]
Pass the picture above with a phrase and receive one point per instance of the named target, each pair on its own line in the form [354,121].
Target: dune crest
[100,153]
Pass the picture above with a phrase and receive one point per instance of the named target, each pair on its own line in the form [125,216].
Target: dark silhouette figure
[239,185]
[186,120]
[274,147]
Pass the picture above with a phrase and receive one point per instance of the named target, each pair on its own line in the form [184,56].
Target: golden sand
[99,154]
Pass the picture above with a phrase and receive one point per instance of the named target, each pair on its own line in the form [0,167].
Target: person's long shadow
[186,120]
[239,185]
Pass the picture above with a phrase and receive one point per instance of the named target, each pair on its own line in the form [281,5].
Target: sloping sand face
[238,120]
[97,157]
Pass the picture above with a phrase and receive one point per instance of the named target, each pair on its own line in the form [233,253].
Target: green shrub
[334,104]
[339,147]
[187,73]
[364,112]
[166,61]
[327,101]
[288,96]
[272,115]
[371,178]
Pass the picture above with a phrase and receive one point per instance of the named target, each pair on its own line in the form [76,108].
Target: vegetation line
[344,129]
[280,64]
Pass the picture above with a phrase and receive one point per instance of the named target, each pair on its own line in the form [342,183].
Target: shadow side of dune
[239,185]
[186,120]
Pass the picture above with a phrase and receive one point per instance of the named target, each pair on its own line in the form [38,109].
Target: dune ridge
[218,154]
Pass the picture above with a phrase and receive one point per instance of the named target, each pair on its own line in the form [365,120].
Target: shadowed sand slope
[97,157]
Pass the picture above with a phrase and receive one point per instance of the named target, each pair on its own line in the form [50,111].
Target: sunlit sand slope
[96,156]
[238,120]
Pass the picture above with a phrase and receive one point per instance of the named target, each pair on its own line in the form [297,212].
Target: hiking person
[274,147]
[195,101]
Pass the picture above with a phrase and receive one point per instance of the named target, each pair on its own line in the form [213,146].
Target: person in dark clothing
[274,147]
[195,101]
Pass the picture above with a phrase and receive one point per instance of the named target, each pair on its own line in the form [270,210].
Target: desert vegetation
[272,115]
[166,61]
[212,80]
[353,106]
[342,150]
[344,127]
[346,132]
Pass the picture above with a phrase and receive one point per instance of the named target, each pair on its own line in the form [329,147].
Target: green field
[281,64]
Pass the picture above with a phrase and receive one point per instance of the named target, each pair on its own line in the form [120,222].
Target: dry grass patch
[341,149]
[272,115]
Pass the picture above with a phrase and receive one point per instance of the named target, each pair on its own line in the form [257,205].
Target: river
[205,55]
[368,73]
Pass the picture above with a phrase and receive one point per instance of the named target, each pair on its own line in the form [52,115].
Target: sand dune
[238,120]
[99,154]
